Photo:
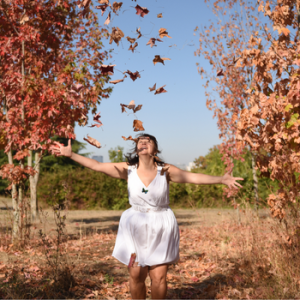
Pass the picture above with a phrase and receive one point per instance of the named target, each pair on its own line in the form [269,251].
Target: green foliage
[116,155]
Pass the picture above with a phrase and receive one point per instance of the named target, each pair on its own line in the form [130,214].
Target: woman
[148,234]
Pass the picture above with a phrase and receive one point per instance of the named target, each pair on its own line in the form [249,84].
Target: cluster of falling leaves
[115,36]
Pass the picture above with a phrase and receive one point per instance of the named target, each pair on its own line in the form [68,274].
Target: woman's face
[145,146]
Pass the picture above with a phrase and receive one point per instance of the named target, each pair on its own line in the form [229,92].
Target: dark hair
[133,159]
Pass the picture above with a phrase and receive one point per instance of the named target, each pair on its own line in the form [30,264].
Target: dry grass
[219,258]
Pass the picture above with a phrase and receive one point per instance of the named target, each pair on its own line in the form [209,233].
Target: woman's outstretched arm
[181,176]
[115,170]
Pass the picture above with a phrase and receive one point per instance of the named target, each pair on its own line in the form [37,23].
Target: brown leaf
[132,106]
[130,40]
[129,139]
[116,6]
[139,107]
[142,11]
[132,260]
[102,7]
[116,81]
[138,31]
[104,2]
[132,47]
[160,90]
[96,125]
[159,59]
[24,19]
[164,169]
[138,125]
[84,118]
[107,69]
[116,35]
[220,72]
[151,42]
[152,88]
[160,15]
[134,75]
[85,3]
[92,141]
[163,32]
[107,21]
[97,117]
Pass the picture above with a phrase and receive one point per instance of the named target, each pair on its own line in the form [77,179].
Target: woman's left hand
[231,181]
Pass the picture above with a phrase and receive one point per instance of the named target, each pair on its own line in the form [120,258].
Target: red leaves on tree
[142,11]
[160,90]
[158,59]
[134,75]
[138,125]
[116,35]
[107,69]
[132,47]
[92,141]
[163,33]
[151,42]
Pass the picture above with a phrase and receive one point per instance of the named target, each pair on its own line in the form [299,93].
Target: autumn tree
[221,44]
[50,58]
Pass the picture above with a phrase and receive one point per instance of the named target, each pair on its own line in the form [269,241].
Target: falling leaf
[130,40]
[160,90]
[132,106]
[160,59]
[152,88]
[134,75]
[103,2]
[138,31]
[102,7]
[116,35]
[107,69]
[116,81]
[132,47]
[129,139]
[96,125]
[220,72]
[163,32]
[97,117]
[117,6]
[84,3]
[138,125]
[142,11]
[151,42]
[107,21]
[24,19]
[160,15]
[132,260]
[164,169]
[92,141]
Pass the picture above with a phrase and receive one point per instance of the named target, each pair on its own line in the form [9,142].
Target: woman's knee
[138,274]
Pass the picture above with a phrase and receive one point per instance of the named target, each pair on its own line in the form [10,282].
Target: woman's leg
[137,277]
[158,275]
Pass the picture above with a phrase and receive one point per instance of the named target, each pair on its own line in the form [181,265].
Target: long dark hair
[132,157]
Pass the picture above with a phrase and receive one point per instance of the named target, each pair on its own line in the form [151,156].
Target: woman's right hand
[60,150]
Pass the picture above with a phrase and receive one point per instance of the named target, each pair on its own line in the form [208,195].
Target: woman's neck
[146,163]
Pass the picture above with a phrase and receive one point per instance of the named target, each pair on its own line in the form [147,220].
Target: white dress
[149,228]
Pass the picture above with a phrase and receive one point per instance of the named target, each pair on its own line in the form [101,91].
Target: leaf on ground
[138,125]
[160,90]
[116,35]
[130,40]
[107,21]
[132,47]
[158,59]
[163,32]
[132,75]
[152,88]
[92,141]
[107,69]
[151,42]
[142,11]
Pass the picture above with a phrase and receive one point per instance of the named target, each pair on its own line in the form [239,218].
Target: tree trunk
[33,185]
[255,181]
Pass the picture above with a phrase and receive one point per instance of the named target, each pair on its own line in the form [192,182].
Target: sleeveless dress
[149,228]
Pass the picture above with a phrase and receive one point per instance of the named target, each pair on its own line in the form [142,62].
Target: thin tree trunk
[33,184]
[255,180]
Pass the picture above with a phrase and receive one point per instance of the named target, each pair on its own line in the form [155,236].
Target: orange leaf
[92,141]
[159,59]
[138,125]
[160,90]
[163,32]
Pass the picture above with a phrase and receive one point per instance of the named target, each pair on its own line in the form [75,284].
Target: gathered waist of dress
[146,209]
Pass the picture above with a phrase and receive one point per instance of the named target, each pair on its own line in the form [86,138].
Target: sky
[179,119]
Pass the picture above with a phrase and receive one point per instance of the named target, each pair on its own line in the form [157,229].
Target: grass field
[219,258]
